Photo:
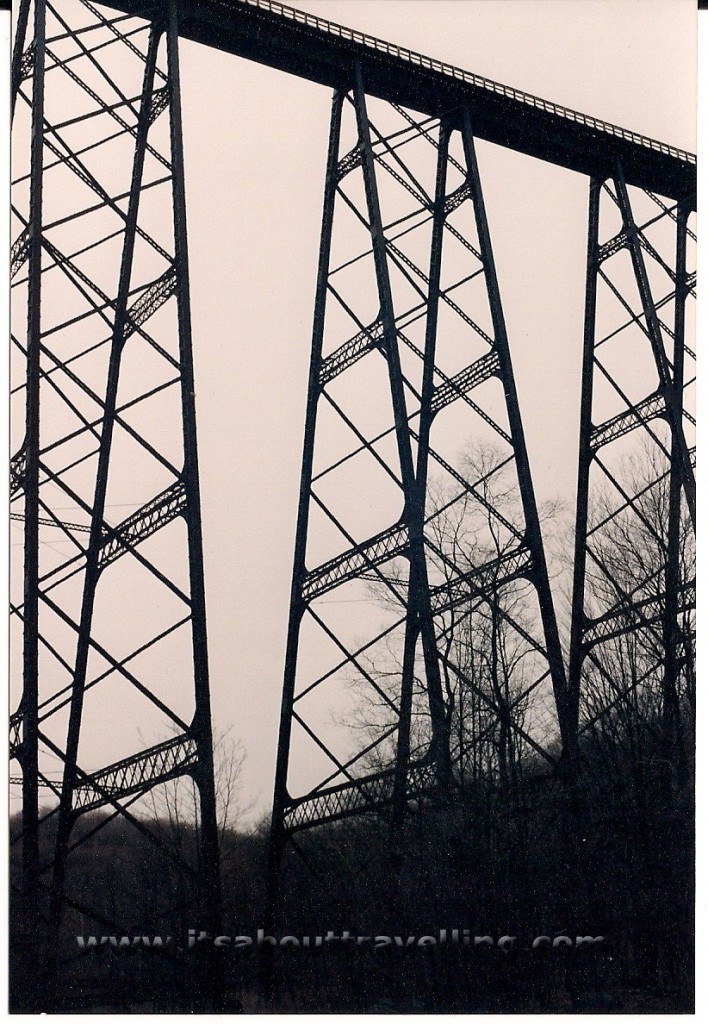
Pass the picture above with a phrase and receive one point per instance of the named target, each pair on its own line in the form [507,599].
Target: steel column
[533,536]
[585,457]
[297,605]
[673,753]
[92,572]
[30,482]
[418,622]
[201,728]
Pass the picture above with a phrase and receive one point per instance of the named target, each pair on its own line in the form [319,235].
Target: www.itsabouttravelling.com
[445,937]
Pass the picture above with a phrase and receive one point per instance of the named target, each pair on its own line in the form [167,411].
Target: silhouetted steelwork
[323,51]
[634,586]
[416,507]
[434,362]
[100,263]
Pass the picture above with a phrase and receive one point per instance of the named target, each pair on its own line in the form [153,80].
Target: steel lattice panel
[634,601]
[110,628]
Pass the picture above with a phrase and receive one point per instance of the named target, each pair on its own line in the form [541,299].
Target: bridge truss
[416,498]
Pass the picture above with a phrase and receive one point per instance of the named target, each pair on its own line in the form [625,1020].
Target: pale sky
[256,146]
[255,155]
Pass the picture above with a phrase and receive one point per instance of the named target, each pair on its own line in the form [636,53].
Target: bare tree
[635,714]
[174,810]
[488,655]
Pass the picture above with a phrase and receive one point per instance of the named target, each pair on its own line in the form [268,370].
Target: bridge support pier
[103,409]
[634,591]
[416,498]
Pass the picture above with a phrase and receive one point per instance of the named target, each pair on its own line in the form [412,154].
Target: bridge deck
[322,51]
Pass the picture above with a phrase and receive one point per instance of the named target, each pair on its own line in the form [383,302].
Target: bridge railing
[332,28]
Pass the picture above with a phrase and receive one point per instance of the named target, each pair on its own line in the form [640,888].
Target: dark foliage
[604,856]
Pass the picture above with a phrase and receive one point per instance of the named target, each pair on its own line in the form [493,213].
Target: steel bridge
[449,558]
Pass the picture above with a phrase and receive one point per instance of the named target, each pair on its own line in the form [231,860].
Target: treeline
[611,856]
[516,848]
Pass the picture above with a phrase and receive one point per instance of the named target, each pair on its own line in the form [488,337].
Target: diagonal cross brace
[350,564]
[143,523]
[372,793]
[137,773]
[481,580]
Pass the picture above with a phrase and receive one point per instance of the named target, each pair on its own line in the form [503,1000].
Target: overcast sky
[255,153]
[256,146]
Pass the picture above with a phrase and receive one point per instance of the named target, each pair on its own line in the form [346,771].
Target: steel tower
[105,476]
[412,408]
